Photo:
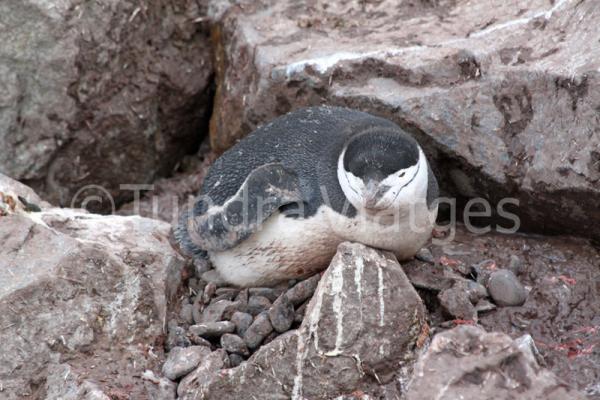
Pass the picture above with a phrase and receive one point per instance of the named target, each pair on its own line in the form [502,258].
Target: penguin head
[382,170]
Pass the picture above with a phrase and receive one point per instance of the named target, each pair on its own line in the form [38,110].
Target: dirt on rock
[562,310]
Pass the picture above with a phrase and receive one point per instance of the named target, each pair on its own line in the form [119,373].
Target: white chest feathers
[286,248]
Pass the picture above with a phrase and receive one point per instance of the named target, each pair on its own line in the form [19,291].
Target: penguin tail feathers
[184,239]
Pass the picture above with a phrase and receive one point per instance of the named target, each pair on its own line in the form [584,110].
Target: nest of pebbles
[237,320]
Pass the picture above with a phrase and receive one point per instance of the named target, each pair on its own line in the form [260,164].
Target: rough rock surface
[561,312]
[166,198]
[502,97]
[363,323]
[78,292]
[103,92]
[469,363]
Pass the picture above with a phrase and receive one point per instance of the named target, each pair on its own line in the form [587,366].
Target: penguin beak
[371,195]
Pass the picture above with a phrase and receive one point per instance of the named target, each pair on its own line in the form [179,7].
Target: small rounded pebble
[176,338]
[476,291]
[182,361]
[269,293]
[258,304]
[199,341]
[226,293]
[243,297]
[242,321]
[258,331]
[234,344]
[303,290]
[235,360]
[215,310]
[212,329]
[425,255]
[506,290]
[281,314]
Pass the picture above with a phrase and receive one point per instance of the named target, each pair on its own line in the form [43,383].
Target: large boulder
[83,299]
[363,324]
[470,363]
[503,98]
[103,92]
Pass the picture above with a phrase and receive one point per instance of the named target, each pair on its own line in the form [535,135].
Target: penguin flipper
[264,191]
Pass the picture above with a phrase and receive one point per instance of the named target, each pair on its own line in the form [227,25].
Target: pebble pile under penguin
[275,206]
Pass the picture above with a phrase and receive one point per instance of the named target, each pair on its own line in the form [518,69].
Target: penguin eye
[402,174]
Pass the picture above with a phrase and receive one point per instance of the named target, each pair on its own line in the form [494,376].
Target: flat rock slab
[501,97]
[470,363]
[86,292]
[361,325]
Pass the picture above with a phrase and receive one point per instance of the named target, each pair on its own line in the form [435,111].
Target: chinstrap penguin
[276,205]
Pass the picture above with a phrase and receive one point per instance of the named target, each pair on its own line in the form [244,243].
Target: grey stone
[506,289]
[176,338]
[456,302]
[378,322]
[258,330]
[215,310]
[235,360]
[303,290]
[199,340]
[475,291]
[234,344]
[484,305]
[257,305]
[269,293]
[191,386]
[242,321]
[210,330]
[227,293]
[182,360]
[481,365]
[75,284]
[425,255]
[101,118]
[242,298]
[281,314]
[477,90]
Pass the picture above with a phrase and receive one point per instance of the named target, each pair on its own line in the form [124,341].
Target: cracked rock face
[361,326]
[78,292]
[470,363]
[101,92]
[502,97]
